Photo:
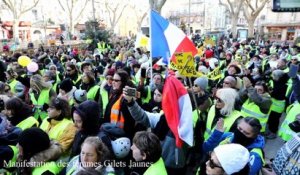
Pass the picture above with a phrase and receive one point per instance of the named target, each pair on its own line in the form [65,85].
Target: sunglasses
[69,70]
[219,100]
[212,164]
[116,80]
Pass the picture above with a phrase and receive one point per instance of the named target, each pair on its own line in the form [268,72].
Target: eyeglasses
[219,100]
[116,80]
[212,164]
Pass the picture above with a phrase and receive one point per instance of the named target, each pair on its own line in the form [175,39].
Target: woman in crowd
[155,103]
[89,85]
[229,159]
[8,134]
[36,149]
[20,114]
[93,155]
[86,117]
[224,107]
[116,111]
[40,93]
[58,125]
[73,73]
[247,134]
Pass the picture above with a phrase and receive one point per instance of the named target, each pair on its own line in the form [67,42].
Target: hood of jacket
[51,154]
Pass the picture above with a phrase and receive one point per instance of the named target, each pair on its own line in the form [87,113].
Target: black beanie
[66,85]
[33,140]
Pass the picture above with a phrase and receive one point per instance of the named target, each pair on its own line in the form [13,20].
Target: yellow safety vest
[91,95]
[277,106]
[48,166]
[285,132]
[28,123]
[228,121]
[148,97]
[250,109]
[12,85]
[104,95]
[56,131]
[38,104]
[157,168]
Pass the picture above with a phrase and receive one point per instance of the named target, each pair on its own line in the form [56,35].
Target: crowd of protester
[100,111]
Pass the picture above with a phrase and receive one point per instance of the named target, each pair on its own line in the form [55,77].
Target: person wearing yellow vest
[155,103]
[116,111]
[279,78]
[16,87]
[246,134]
[36,149]
[94,157]
[291,125]
[50,77]
[58,125]
[106,87]
[256,101]
[147,91]
[146,150]
[223,108]
[73,73]
[89,85]
[8,158]
[20,114]
[40,92]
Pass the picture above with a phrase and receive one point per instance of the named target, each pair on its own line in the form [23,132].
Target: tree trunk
[16,29]
[251,28]
[234,21]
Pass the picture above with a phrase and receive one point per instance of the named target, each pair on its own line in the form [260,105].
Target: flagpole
[150,47]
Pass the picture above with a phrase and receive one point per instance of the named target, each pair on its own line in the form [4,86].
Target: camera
[131,92]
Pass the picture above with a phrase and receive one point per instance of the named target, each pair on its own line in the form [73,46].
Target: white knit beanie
[232,157]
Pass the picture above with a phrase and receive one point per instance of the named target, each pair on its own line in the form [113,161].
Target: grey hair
[39,83]
[228,96]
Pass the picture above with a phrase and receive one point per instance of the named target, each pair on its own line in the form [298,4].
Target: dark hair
[159,87]
[254,123]
[124,77]
[149,144]
[19,110]
[63,106]
[90,76]
[263,84]
[72,66]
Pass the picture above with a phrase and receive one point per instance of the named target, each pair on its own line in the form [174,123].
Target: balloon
[24,60]
[32,67]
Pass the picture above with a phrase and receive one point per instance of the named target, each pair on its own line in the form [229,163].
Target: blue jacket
[255,160]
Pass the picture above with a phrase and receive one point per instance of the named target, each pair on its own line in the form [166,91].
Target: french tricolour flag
[166,39]
[177,107]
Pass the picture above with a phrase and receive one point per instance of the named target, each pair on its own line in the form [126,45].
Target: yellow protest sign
[185,64]
[215,74]
[209,41]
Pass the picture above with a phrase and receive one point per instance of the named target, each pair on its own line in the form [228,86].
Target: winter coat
[217,137]
[157,122]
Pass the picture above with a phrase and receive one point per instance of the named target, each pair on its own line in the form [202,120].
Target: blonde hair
[228,96]
[38,81]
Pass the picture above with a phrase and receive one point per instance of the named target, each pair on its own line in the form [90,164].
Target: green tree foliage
[95,33]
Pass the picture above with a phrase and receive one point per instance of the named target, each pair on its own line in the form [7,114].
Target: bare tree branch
[225,5]
[9,4]
[85,4]
[61,5]
[29,8]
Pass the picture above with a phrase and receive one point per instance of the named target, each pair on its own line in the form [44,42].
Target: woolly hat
[201,82]
[34,140]
[66,85]
[79,95]
[232,157]
[110,72]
